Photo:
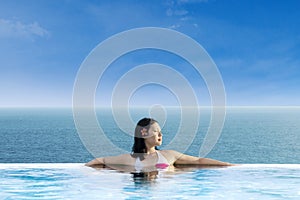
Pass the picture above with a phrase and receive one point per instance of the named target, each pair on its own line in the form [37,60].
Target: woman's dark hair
[139,146]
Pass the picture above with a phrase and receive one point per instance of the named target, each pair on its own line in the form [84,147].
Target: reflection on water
[149,175]
[144,176]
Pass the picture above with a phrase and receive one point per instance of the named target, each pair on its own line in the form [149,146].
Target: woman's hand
[97,161]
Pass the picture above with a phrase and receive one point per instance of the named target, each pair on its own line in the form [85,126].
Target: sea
[250,135]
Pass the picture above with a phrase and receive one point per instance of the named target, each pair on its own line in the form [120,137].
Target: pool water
[75,181]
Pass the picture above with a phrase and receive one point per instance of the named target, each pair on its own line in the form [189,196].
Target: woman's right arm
[97,161]
[112,160]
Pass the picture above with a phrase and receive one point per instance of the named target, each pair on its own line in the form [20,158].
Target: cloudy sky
[255,45]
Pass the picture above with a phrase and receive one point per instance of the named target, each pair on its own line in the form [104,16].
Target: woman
[145,155]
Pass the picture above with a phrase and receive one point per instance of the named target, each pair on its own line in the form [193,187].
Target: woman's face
[154,135]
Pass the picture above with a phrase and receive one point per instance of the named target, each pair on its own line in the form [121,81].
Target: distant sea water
[250,135]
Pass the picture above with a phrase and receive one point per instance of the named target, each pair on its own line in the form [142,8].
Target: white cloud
[11,28]
[174,26]
[179,12]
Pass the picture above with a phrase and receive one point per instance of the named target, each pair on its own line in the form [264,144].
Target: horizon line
[256,106]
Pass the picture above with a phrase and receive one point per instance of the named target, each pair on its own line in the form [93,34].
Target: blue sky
[255,44]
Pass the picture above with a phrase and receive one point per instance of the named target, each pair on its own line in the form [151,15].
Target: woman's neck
[151,150]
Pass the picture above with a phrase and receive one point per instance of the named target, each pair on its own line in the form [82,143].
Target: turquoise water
[250,135]
[75,181]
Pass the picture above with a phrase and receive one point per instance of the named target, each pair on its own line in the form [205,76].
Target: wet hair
[139,147]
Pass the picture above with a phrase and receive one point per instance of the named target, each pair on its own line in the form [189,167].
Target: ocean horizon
[261,135]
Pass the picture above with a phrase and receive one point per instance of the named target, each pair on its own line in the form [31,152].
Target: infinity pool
[75,181]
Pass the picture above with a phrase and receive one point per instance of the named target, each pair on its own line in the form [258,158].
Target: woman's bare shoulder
[170,153]
[173,152]
[123,159]
[126,156]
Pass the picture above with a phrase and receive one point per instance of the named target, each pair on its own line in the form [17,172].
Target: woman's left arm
[183,159]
